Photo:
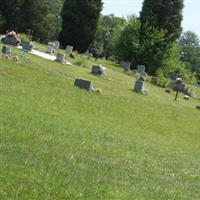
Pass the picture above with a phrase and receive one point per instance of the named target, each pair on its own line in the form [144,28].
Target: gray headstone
[60,58]
[56,44]
[84,84]
[6,50]
[28,46]
[180,87]
[125,64]
[154,80]
[98,70]
[141,69]
[69,49]
[173,76]
[138,87]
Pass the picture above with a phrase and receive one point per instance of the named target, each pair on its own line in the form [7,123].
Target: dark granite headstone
[138,87]
[98,70]
[28,46]
[84,84]
[10,41]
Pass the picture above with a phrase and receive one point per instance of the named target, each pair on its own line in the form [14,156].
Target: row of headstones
[7,50]
[7,54]
[27,46]
[140,68]
[88,85]
[55,45]
[173,76]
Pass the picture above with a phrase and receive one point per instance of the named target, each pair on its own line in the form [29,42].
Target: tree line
[153,39]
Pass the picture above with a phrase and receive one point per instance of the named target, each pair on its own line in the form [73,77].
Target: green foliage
[128,46]
[147,50]
[170,62]
[160,26]
[190,48]
[10,15]
[79,23]
[164,15]
[24,37]
[108,28]
[41,16]
[152,49]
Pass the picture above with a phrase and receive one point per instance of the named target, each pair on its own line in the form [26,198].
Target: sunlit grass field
[60,142]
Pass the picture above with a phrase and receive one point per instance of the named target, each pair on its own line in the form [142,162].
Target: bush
[171,63]
[24,37]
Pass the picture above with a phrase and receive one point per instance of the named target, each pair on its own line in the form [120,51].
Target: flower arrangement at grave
[11,38]
[13,34]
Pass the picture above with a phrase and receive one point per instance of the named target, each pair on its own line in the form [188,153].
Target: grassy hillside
[60,142]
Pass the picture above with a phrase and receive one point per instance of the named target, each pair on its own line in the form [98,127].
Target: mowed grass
[60,142]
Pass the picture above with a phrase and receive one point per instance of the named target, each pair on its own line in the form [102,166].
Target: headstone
[173,76]
[98,70]
[138,87]
[84,84]
[10,40]
[198,107]
[50,49]
[141,69]
[28,46]
[6,50]
[126,65]
[56,44]
[143,75]
[154,80]
[182,87]
[60,57]
[69,49]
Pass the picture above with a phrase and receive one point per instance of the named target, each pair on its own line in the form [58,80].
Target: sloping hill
[60,142]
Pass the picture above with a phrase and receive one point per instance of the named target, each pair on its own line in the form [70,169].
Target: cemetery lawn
[60,142]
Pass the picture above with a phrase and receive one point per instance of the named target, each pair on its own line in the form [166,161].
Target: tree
[108,28]
[80,20]
[10,14]
[41,16]
[190,50]
[127,46]
[165,15]
[162,18]
[130,46]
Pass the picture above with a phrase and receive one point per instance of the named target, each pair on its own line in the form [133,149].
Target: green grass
[60,142]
